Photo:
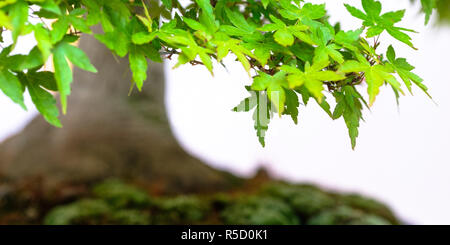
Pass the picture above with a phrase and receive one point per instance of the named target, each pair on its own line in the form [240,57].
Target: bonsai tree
[289,48]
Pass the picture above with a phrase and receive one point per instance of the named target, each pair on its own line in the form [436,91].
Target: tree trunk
[109,134]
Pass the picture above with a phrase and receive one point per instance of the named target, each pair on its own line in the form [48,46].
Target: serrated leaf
[59,29]
[77,57]
[45,103]
[138,65]
[262,116]
[247,104]
[403,69]
[21,62]
[46,79]
[312,78]
[11,87]
[349,106]
[63,75]
[116,41]
[239,21]
[51,6]
[292,105]
[274,85]
[378,23]
[43,39]
[19,15]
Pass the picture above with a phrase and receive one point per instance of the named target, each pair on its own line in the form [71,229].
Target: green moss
[343,215]
[181,210]
[306,200]
[130,217]
[115,203]
[120,195]
[368,206]
[257,210]
[275,203]
[77,212]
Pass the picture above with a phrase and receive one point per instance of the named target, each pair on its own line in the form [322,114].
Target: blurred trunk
[109,134]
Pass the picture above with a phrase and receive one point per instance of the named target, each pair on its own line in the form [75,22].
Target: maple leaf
[378,22]
[275,86]
[312,77]
[375,75]
[403,69]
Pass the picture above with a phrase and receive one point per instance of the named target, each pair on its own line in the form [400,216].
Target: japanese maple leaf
[275,86]
[378,22]
[312,77]
[403,69]
[375,75]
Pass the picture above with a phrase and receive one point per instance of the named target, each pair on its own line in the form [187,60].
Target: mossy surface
[269,203]
[259,210]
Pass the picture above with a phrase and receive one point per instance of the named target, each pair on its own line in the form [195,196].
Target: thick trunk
[109,134]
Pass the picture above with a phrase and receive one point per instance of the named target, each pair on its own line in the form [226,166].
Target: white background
[402,154]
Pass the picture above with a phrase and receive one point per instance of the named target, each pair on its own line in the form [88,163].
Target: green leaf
[195,25]
[239,21]
[261,115]
[80,24]
[284,37]
[378,23]
[348,39]
[11,87]
[401,36]
[349,106]
[63,75]
[262,54]
[19,16]
[45,79]
[138,65]
[143,37]
[355,12]
[59,29]
[372,8]
[323,53]
[353,66]
[51,6]
[223,48]
[375,76]
[5,21]
[44,101]
[77,57]
[247,104]
[403,69]
[207,8]
[312,78]
[206,59]
[313,11]
[151,52]
[116,41]
[274,85]
[309,11]
[42,36]
[292,105]
[21,62]
[167,3]
[427,7]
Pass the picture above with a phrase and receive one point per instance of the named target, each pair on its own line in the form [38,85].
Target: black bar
[226,234]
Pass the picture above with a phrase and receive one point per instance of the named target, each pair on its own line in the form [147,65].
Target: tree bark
[109,134]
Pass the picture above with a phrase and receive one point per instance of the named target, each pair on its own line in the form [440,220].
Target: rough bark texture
[108,134]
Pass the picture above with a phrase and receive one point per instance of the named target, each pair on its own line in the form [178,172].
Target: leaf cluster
[289,48]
